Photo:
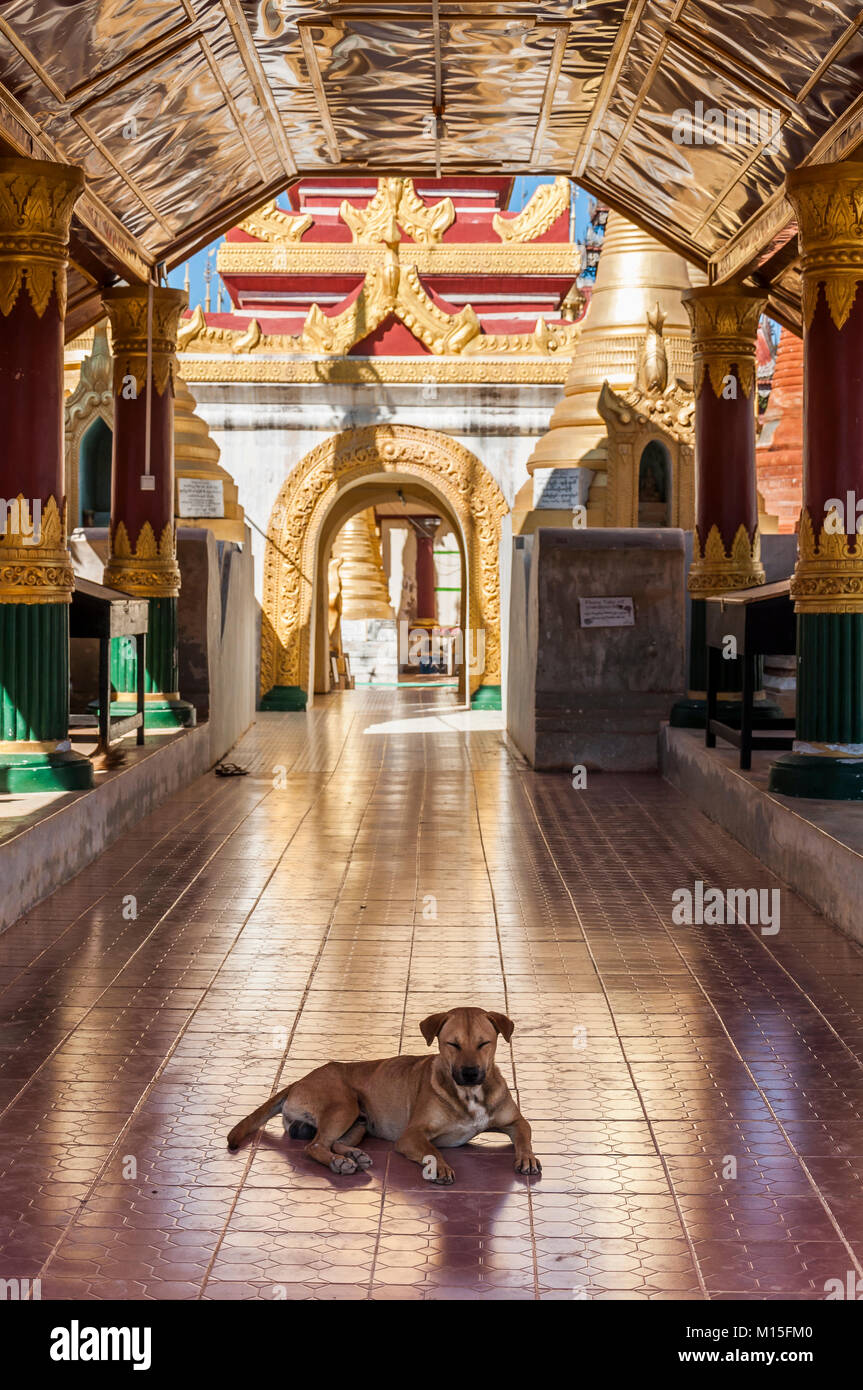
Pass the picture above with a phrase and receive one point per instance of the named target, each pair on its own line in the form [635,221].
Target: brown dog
[419,1102]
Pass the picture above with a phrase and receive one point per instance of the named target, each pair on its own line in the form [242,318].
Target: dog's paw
[340,1163]
[527,1163]
[442,1174]
[360,1158]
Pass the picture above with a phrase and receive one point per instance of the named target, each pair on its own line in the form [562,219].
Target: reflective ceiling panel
[185,113]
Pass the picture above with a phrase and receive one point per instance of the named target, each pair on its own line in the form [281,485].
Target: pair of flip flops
[231,770]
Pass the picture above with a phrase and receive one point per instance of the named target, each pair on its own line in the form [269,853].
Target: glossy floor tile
[696,1091]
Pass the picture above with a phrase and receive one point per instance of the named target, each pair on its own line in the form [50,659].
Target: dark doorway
[654,485]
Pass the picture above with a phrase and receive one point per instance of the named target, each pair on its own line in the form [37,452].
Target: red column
[36,203]
[426,605]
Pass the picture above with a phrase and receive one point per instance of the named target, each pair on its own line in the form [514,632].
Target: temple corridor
[696,1092]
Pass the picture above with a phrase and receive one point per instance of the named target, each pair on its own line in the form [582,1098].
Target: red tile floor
[383,862]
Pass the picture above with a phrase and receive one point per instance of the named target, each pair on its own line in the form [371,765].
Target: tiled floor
[696,1092]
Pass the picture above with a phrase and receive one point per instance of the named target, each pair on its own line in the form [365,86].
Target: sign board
[200,497]
[606,612]
[560,489]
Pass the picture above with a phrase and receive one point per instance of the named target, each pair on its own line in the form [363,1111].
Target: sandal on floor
[231,770]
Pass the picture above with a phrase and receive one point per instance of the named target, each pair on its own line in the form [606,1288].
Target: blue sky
[522,190]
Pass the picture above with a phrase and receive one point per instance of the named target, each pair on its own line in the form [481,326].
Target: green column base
[486,697]
[692,713]
[158,714]
[817,777]
[45,772]
[284,697]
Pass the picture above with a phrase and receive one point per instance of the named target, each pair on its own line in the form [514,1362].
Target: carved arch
[304,502]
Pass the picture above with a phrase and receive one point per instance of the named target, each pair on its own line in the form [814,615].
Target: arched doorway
[94,475]
[654,484]
[306,517]
[359,497]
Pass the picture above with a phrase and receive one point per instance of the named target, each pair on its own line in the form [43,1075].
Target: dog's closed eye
[457,1046]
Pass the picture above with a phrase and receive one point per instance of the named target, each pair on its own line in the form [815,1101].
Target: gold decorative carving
[389,288]
[724,322]
[397,204]
[828,201]
[127,309]
[305,500]
[31,570]
[544,208]
[441,258]
[828,577]
[716,570]
[148,571]
[446,371]
[36,203]
[272,223]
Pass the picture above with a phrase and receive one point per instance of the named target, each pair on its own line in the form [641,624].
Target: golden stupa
[363,580]
[634,274]
[196,455]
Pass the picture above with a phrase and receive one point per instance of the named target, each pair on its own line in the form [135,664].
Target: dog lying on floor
[420,1102]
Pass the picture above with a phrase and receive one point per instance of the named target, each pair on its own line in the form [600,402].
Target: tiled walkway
[380,864]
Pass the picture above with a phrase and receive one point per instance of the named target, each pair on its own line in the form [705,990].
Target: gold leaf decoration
[828,577]
[716,570]
[544,208]
[34,560]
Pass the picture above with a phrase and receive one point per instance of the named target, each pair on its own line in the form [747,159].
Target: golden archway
[304,502]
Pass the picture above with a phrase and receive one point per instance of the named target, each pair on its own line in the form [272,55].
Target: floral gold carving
[305,500]
[828,201]
[828,577]
[724,322]
[397,204]
[150,570]
[36,203]
[127,309]
[271,223]
[544,208]
[34,561]
[716,570]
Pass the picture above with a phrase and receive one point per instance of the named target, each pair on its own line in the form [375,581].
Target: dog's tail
[257,1118]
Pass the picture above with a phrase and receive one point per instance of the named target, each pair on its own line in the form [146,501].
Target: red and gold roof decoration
[398,267]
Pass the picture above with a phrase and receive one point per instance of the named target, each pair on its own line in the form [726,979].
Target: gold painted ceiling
[188,114]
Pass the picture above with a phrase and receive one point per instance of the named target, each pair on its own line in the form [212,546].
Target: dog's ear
[431,1026]
[503,1024]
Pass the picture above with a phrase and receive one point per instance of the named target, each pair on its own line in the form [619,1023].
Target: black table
[106,613]
[762,622]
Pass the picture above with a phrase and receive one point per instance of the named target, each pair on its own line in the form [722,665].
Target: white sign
[606,612]
[200,497]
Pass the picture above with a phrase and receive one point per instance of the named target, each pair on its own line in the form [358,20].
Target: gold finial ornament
[127,309]
[724,322]
[828,201]
[36,202]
